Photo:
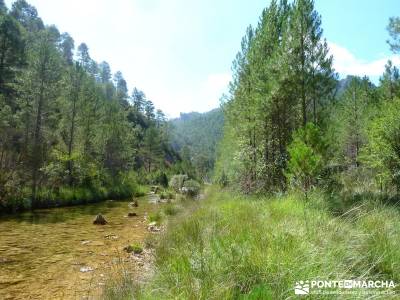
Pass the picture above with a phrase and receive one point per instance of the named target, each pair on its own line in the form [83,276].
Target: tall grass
[233,247]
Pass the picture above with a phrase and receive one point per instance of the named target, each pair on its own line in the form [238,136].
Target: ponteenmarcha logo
[344,287]
[302,288]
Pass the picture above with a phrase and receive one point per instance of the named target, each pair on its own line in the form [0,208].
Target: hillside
[196,135]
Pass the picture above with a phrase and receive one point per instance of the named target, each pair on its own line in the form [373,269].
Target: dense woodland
[69,130]
[291,123]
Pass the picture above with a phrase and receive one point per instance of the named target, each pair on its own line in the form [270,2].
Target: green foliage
[68,132]
[306,153]
[172,210]
[191,187]
[177,182]
[156,217]
[12,52]
[135,248]
[283,78]
[394,31]
[382,153]
[199,135]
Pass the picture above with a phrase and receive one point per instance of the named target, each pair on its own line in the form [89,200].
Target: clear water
[42,252]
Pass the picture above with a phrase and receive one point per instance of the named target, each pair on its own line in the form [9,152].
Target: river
[43,253]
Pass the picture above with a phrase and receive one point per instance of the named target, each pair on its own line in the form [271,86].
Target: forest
[294,179]
[70,130]
[291,123]
[196,136]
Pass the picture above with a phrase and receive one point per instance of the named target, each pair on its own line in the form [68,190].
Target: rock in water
[86,269]
[100,220]
[132,214]
[135,203]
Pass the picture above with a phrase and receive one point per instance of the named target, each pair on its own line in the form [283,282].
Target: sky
[180,52]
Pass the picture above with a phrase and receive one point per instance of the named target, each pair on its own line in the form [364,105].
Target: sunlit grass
[232,247]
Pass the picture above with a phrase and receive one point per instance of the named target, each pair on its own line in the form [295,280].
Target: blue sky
[179,52]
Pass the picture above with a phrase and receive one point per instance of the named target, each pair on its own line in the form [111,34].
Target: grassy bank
[68,196]
[233,247]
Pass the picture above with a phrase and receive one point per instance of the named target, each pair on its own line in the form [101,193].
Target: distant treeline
[196,136]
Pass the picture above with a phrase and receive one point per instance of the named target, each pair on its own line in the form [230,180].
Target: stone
[152,227]
[132,214]
[134,203]
[100,220]
[86,269]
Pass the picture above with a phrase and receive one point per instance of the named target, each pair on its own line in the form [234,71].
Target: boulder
[134,203]
[100,220]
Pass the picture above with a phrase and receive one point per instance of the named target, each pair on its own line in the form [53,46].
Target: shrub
[306,158]
[155,217]
[171,210]
[382,152]
[191,188]
[135,248]
[177,182]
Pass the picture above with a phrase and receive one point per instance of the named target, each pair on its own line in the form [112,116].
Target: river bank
[69,196]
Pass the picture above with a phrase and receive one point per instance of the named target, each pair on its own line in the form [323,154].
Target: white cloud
[346,63]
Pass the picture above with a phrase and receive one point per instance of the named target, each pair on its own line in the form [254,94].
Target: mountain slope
[196,135]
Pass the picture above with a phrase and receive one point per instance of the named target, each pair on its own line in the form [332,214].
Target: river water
[43,254]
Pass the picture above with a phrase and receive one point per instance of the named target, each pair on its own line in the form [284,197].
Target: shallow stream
[59,254]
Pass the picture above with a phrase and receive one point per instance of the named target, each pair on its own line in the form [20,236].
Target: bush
[155,217]
[306,158]
[191,188]
[171,210]
[177,182]
[382,152]
[135,248]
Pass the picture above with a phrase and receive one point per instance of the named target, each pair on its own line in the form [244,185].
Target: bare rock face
[100,220]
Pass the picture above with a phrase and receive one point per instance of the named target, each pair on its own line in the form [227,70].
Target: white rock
[86,269]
